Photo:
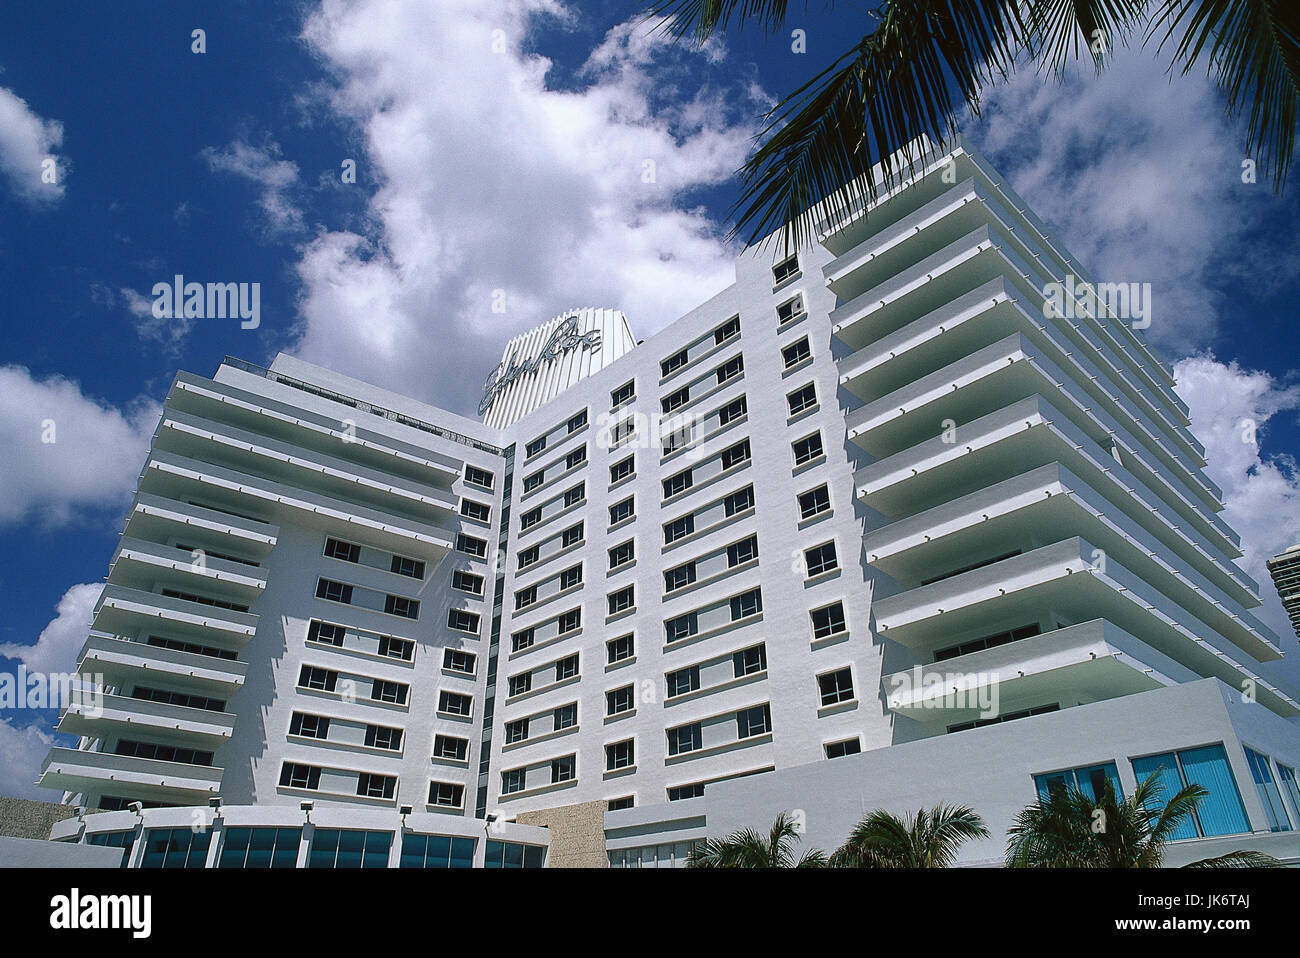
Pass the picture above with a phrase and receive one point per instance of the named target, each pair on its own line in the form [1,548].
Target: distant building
[1285,570]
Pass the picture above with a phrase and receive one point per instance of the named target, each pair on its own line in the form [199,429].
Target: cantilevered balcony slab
[1087,662]
[121,662]
[120,715]
[140,564]
[171,783]
[123,611]
[156,518]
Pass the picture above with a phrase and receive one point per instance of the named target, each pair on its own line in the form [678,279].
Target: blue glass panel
[324,846]
[413,847]
[377,845]
[1286,775]
[1221,813]
[1268,793]
[462,852]
[287,841]
[1165,769]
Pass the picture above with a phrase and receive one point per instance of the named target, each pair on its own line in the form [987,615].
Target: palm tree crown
[748,849]
[930,840]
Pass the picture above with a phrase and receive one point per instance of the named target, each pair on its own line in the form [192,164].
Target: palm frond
[700,19]
[1061,28]
[1237,859]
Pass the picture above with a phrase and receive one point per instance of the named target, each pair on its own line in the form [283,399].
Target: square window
[478,511]
[685,738]
[619,649]
[681,627]
[577,422]
[566,716]
[728,330]
[679,529]
[622,554]
[622,469]
[785,270]
[796,353]
[790,310]
[566,668]
[835,687]
[621,511]
[564,769]
[732,368]
[672,363]
[746,604]
[738,553]
[680,577]
[623,394]
[814,502]
[619,755]
[736,409]
[802,399]
[618,701]
[683,681]
[821,559]
[347,551]
[622,600]
[749,661]
[478,477]
[828,621]
[753,721]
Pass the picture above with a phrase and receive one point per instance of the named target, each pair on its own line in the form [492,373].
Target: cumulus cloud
[274,176]
[26,142]
[22,750]
[56,648]
[66,453]
[491,179]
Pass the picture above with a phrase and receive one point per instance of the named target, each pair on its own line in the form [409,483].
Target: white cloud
[266,167]
[22,750]
[93,462]
[56,649]
[489,179]
[26,142]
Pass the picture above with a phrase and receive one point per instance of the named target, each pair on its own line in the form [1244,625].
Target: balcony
[171,783]
[121,662]
[125,611]
[154,518]
[141,565]
[157,721]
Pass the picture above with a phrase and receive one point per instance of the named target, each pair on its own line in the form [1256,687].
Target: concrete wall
[577,834]
[25,818]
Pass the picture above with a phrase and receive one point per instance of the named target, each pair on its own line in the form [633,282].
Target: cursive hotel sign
[566,338]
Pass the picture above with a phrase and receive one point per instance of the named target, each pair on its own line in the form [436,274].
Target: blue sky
[501,146]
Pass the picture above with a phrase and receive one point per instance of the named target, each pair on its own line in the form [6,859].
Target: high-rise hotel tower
[889,521]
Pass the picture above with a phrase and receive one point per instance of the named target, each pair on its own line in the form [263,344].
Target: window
[334,591]
[381,736]
[683,680]
[530,518]
[521,683]
[619,701]
[534,447]
[310,677]
[987,642]
[309,726]
[732,368]
[577,422]
[736,409]
[622,554]
[349,848]
[522,639]
[384,691]
[533,481]
[828,621]
[376,785]
[516,731]
[821,559]
[478,477]
[566,716]
[679,792]
[164,753]
[682,627]
[338,549]
[513,855]
[205,600]
[566,668]
[326,633]
[679,577]
[399,605]
[676,400]
[749,661]
[746,605]
[525,597]
[786,269]
[448,746]
[736,454]
[796,353]
[728,330]
[513,781]
[621,511]
[622,600]
[462,620]
[575,495]
[467,582]
[576,458]
[618,804]
[739,501]
[753,721]
[570,577]
[411,568]
[685,738]
[836,687]
[570,621]
[814,502]
[850,746]
[176,848]
[1091,780]
[453,703]
[564,769]
[438,851]
[293,775]
[790,310]
[616,650]
[619,755]
[738,553]
[1287,780]
[478,511]
[393,648]
[259,847]
[672,363]
[622,469]
[802,399]
[679,529]
[457,660]
[448,795]
[675,485]
[623,394]
[528,556]
[471,545]
[1269,796]
[571,535]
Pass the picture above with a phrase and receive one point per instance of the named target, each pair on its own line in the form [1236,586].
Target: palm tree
[748,849]
[931,840]
[926,61]
[1068,829]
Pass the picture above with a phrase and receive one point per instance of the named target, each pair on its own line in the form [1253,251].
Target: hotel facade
[878,525]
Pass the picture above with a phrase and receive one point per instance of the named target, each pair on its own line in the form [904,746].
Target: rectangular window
[728,330]
[814,502]
[471,545]
[820,559]
[478,477]
[458,660]
[790,310]
[1090,780]
[623,394]
[618,701]
[575,495]
[619,755]
[478,511]
[622,432]
[529,556]
[516,731]
[448,746]
[533,481]
[619,649]
[753,721]
[681,627]
[622,554]
[738,501]
[850,746]
[1269,795]
[785,270]
[400,605]
[736,454]
[683,681]
[394,648]
[576,458]
[622,469]
[566,716]
[293,775]
[622,600]
[571,536]
[836,687]
[347,551]
[736,409]
[513,781]
[349,848]
[749,661]
[570,621]
[746,604]
[394,692]
[738,553]
[802,399]
[566,668]
[685,738]
[462,620]
[679,529]
[617,804]
[675,485]
[534,447]
[521,683]
[571,577]
[453,703]
[621,511]
[326,633]
[672,363]
[796,353]
[449,795]
[411,568]
[324,680]
[259,847]
[577,422]
[828,621]
[309,726]
[467,582]
[384,737]
[678,793]
[564,769]
[679,577]
[334,591]
[676,399]
[522,640]
[530,518]
[525,597]
[732,368]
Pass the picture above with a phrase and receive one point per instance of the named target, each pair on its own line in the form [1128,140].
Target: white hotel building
[923,542]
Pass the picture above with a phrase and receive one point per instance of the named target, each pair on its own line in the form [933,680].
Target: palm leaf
[1237,859]
[699,19]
